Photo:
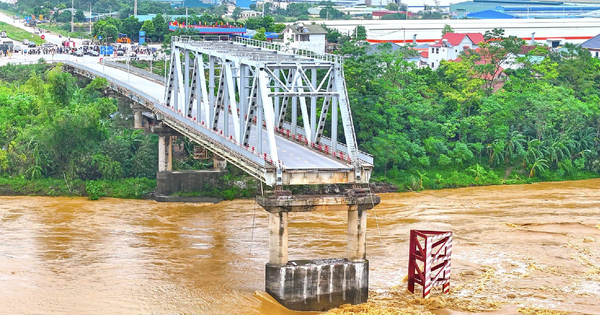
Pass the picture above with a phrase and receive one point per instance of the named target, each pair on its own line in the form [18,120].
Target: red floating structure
[429,260]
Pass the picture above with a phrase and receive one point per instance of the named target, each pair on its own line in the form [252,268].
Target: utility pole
[186,16]
[90,18]
[135,7]
[110,10]
[72,14]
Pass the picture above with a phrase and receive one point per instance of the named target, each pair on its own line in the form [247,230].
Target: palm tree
[496,150]
[540,165]
[534,151]
[514,145]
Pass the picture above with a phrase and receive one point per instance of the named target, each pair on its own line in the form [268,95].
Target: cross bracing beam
[247,99]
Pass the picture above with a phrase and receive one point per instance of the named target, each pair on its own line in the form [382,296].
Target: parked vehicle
[32,45]
[26,42]
[78,53]
[17,48]
[9,43]
[94,53]
[2,34]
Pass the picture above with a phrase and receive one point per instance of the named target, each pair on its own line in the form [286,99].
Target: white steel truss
[252,96]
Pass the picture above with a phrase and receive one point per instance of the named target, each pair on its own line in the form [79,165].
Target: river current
[75,256]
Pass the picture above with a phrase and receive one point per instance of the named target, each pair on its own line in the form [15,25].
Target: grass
[19,35]
[58,29]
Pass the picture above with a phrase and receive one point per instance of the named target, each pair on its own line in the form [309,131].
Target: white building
[305,37]
[450,47]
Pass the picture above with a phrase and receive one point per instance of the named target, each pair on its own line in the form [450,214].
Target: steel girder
[250,90]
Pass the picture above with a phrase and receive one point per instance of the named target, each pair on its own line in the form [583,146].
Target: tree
[64,17]
[148,27]
[79,16]
[236,13]
[360,32]
[394,16]
[392,6]
[330,13]
[111,32]
[131,25]
[161,27]
[447,29]
[260,34]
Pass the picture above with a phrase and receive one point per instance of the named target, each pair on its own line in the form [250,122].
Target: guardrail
[283,49]
[141,72]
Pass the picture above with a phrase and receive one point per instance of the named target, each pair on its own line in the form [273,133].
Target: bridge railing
[213,136]
[286,49]
[208,43]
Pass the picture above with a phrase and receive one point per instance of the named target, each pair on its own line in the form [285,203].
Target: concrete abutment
[320,284]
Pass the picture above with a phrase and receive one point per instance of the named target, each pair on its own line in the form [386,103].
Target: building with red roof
[451,46]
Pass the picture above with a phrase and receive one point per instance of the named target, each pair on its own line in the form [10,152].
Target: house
[305,37]
[527,53]
[593,45]
[249,13]
[451,45]
[423,59]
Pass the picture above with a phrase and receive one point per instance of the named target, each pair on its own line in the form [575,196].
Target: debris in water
[540,311]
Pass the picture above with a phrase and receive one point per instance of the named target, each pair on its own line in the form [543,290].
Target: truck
[67,43]
[123,39]
[9,43]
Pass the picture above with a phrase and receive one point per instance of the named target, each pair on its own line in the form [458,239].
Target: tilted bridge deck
[263,81]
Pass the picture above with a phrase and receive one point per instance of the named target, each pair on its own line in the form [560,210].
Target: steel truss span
[270,106]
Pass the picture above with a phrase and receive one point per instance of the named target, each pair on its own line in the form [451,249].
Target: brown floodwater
[526,247]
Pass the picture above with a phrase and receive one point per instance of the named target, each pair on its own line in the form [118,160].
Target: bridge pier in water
[318,284]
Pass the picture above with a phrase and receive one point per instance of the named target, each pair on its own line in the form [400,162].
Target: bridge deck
[293,155]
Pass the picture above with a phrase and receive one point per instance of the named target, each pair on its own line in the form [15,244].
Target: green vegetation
[63,132]
[19,35]
[131,188]
[65,30]
[467,124]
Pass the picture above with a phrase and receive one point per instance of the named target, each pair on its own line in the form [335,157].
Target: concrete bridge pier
[318,284]
[219,164]
[165,147]
[138,110]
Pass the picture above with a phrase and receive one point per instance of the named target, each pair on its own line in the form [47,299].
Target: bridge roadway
[300,164]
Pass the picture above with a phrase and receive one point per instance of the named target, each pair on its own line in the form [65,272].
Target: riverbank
[127,188]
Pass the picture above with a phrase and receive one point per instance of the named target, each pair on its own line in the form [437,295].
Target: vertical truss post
[179,84]
[259,113]
[313,102]
[267,105]
[278,76]
[285,100]
[186,75]
[232,102]
[243,92]
[334,124]
[211,90]
[345,113]
[324,110]
[205,100]
[305,115]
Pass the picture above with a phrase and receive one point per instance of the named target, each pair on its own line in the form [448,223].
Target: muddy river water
[528,248]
